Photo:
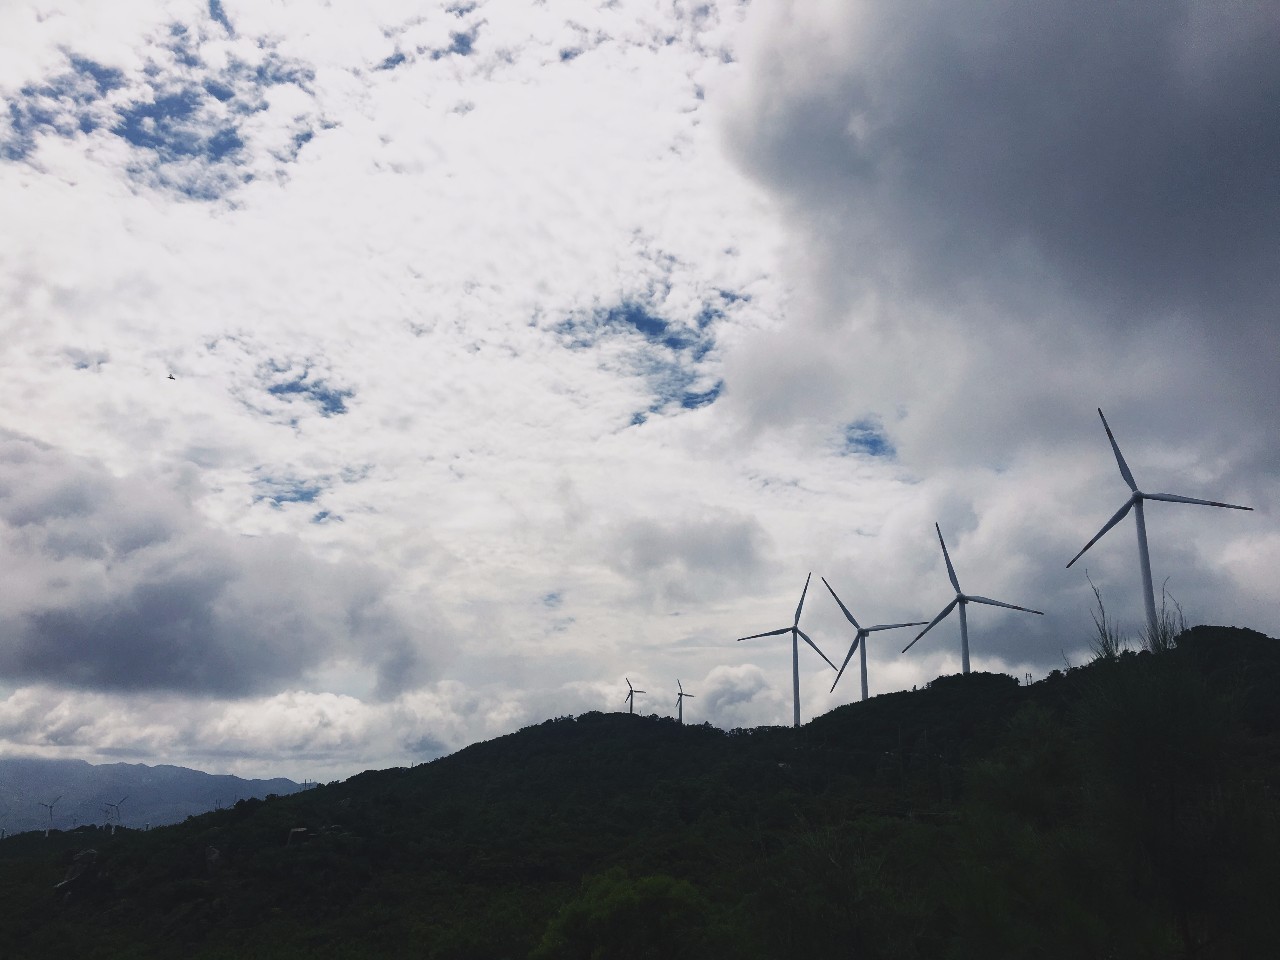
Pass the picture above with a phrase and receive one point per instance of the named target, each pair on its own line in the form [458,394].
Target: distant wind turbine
[680,702]
[860,639]
[113,813]
[1134,503]
[630,698]
[49,806]
[796,636]
[961,599]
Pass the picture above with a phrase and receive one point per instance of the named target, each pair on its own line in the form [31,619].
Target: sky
[380,378]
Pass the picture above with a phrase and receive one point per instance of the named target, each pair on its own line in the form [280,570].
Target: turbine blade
[771,633]
[800,607]
[1119,515]
[1174,498]
[815,647]
[951,571]
[933,623]
[1001,603]
[847,657]
[895,626]
[847,615]
[628,679]
[690,696]
[1124,467]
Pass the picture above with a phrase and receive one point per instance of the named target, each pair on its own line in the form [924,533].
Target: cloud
[184,121]
[696,559]
[120,585]
[1125,151]
[735,696]
[1009,215]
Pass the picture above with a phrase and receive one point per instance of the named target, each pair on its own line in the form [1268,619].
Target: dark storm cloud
[115,586]
[1124,152]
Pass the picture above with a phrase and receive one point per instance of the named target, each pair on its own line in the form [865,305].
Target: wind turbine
[49,807]
[113,809]
[630,698]
[680,702]
[1135,503]
[796,635]
[859,641]
[960,600]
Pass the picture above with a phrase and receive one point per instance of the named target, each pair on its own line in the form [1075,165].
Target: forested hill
[1123,809]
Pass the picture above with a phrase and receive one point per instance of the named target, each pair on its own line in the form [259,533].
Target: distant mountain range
[155,795]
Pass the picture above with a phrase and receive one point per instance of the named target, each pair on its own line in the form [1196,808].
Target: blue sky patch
[392,61]
[183,120]
[105,79]
[692,400]
[278,492]
[670,355]
[172,126]
[275,70]
[462,45]
[866,437]
[330,401]
[219,15]
[183,46]
[68,104]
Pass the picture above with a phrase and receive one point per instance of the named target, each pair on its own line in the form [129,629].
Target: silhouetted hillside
[1125,809]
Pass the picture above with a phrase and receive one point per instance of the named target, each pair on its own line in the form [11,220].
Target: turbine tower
[49,806]
[961,599]
[859,640]
[1134,503]
[630,698]
[796,636]
[680,702]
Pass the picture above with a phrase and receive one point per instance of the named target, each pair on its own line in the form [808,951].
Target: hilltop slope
[1127,808]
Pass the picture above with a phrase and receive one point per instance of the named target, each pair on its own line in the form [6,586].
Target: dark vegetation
[1125,809]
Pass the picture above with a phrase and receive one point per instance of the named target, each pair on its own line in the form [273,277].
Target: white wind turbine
[630,698]
[680,702]
[796,636]
[961,599]
[1134,503]
[860,639]
[113,813]
[49,806]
